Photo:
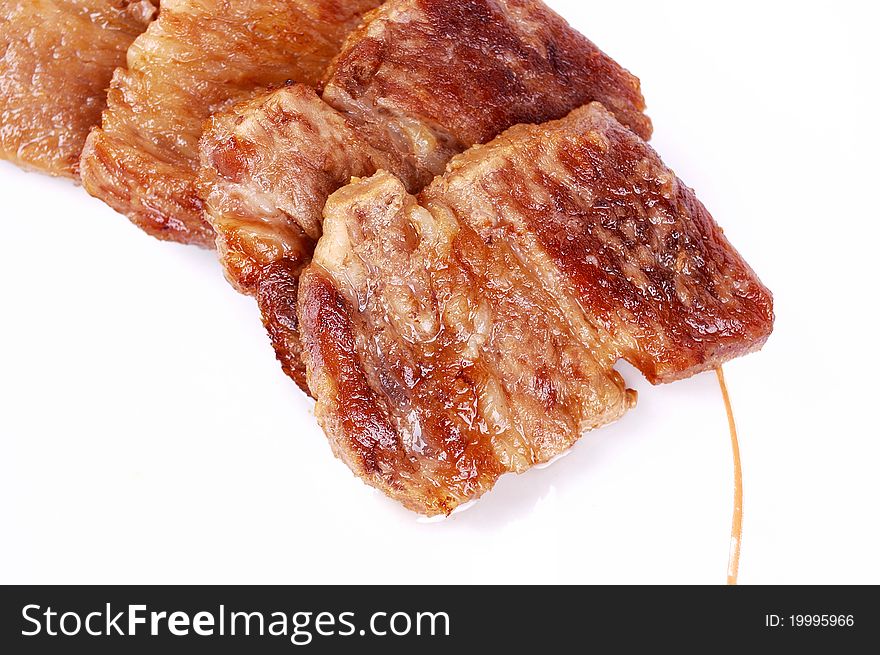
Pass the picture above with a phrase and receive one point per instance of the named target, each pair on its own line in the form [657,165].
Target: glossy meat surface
[56,61]
[270,165]
[198,57]
[473,331]
[434,77]
[419,82]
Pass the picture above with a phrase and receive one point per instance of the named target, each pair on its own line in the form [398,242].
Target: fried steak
[198,56]
[56,61]
[473,330]
[419,82]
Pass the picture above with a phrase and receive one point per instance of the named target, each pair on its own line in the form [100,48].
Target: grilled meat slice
[473,331]
[56,61]
[434,77]
[418,82]
[270,165]
[199,56]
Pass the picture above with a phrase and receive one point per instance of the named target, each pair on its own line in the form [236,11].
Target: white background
[148,436]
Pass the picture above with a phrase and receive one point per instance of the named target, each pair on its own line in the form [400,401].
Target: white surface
[147,434]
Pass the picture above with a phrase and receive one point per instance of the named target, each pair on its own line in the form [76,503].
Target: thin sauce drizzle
[736,527]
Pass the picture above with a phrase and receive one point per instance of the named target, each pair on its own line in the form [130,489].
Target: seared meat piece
[473,331]
[56,61]
[270,165]
[197,57]
[419,82]
[434,77]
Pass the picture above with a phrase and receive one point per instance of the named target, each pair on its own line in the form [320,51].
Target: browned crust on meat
[450,343]
[277,297]
[268,166]
[642,251]
[475,331]
[153,194]
[56,61]
[486,65]
[196,59]
[362,434]
[416,84]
